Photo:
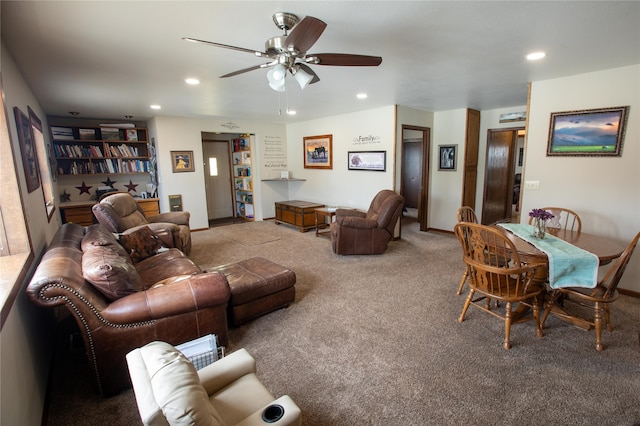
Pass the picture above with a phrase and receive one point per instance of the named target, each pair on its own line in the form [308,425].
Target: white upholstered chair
[169,390]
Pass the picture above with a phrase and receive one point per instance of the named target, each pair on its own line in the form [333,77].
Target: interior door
[499,175]
[217,179]
[414,186]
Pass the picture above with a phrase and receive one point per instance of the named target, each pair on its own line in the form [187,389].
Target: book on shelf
[87,134]
[64,133]
[131,135]
[110,133]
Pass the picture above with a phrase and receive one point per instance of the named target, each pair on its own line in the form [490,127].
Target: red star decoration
[84,188]
[64,197]
[131,186]
[109,182]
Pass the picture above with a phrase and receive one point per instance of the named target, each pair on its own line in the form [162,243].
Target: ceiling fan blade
[242,71]
[345,59]
[305,34]
[226,46]
[308,69]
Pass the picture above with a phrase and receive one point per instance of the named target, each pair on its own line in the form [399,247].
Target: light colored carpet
[246,234]
[374,340]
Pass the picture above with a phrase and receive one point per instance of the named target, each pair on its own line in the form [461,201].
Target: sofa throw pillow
[111,271]
[97,236]
[141,243]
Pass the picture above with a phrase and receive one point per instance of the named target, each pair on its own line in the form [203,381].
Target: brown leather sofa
[121,213]
[164,297]
[356,232]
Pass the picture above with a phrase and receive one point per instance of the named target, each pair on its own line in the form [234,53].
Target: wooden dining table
[605,248]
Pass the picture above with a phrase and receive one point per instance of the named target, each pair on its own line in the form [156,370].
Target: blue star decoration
[64,197]
[131,186]
[84,188]
[109,182]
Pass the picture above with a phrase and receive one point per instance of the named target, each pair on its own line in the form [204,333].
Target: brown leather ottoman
[258,286]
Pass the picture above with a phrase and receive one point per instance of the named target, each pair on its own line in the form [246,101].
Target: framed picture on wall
[588,133]
[447,157]
[367,160]
[28,150]
[182,161]
[318,152]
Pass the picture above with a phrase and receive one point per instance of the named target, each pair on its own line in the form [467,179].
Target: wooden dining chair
[598,298]
[484,249]
[465,214]
[563,219]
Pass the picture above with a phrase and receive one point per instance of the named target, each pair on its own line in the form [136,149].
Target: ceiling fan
[288,53]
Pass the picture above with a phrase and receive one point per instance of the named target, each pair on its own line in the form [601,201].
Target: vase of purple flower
[540,217]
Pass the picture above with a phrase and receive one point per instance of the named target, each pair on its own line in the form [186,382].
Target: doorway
[414,175]
[216,154]
[501,185]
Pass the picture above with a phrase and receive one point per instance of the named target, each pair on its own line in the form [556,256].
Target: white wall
[445,187]
[371,130]
[605,191]
[26,336]
[185,134]
[409,117]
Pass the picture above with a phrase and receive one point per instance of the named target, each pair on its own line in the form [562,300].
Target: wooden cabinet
[242,177]
[80,211]
[297,213]
[100,150]
[150,206]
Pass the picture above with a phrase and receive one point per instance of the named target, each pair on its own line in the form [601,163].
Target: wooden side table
[321,219]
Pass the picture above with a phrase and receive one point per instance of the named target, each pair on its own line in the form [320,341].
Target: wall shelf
[283,180]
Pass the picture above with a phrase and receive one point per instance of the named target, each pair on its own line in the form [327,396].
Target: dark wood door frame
[499,174]
[423,199]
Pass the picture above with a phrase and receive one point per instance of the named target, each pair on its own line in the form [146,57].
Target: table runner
[569,266]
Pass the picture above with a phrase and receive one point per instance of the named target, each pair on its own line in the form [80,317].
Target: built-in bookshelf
[100,150]
[243,180]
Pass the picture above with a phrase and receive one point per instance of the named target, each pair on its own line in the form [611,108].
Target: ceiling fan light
[276,73]
[277,86]
[303,78]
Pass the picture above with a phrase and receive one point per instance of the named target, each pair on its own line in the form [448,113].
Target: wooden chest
[297,213]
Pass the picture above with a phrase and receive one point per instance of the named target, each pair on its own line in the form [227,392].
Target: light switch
[532,184]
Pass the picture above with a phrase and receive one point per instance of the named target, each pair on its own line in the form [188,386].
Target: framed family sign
[589,132]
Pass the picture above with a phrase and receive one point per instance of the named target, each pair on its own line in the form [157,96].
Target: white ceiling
[108,59]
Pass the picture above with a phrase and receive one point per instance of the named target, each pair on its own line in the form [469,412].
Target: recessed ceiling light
[361,96]
[291,111]
[155,107]
[192,81]
[535,56]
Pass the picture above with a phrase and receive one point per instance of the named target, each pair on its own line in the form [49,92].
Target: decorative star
[131,186]
[109,182]
[64,197]
[84,188]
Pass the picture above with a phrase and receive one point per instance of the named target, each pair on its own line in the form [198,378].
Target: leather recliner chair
[122,214]
[356,232]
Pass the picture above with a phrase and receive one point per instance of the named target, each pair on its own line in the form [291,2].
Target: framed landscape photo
[182,161]
[589,132]
[318,152]
[447,157]
[28,150]
[367,160]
